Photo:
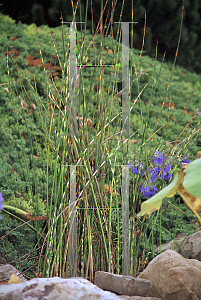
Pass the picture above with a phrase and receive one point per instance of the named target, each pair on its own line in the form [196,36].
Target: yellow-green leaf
[192,180]
[154,203]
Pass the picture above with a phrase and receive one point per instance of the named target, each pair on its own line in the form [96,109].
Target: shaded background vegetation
[162,22]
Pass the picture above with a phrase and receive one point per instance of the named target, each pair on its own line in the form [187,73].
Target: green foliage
[25,137]
[26,203]
[167,13]
[174,215]
[6,19]
[17,244]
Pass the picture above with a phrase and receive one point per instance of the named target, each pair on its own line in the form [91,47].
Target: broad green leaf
[154,203]
[192,180]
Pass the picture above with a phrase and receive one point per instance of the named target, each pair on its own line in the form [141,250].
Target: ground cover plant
[36,156]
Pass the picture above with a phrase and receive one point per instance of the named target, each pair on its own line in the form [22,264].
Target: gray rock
[169,276]
[173,277]
[121,284]
[174,244]
[191,246]
[138,298]
[54,288]
[196,263]
[7,270]
[11,291]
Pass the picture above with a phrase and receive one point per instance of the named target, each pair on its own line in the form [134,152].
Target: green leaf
[192,180]
[155,202]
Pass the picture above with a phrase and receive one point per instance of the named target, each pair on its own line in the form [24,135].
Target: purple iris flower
[186,161]
[134,169]
[147,192]
[159,158]
[154,190]
[154,173]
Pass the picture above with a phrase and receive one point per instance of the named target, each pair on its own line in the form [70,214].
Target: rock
[173,277]
[121,284]
[196,263]
[71,288]
[177,243]
[54,288]
[7,270]
[188,246]
[191,246]
[138,298]
[169,276]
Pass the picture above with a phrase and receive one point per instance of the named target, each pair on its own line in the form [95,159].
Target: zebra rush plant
[93,222]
